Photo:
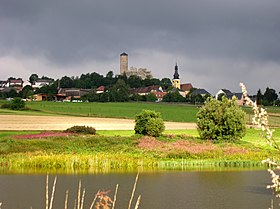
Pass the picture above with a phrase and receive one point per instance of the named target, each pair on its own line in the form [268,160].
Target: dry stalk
[83,198]
[50,204]
[53,190]
[115,196]
[138,202]
[47,192]
[133,191]
[66,200]
[95,197]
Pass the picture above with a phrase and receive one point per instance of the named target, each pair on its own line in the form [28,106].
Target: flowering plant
[260,119]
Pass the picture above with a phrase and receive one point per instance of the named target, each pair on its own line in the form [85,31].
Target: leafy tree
[165,83]
[174,96]
[109,80]
[259,97]
[149,123]
[26,92]
[119,92]
[151,98]
[34,77]
[197,99]
[104,97]
[151,82]
[92,97]
[136,97]
[66,82]
[134,81]
[221,120]
[270,96]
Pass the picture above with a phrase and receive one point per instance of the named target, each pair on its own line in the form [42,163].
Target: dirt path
[23,122]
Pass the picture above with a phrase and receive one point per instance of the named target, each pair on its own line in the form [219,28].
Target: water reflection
[159,190]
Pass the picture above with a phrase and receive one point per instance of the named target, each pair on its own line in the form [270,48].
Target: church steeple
[176,74]
[176,79]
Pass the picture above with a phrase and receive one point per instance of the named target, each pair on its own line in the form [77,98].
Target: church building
[186,88]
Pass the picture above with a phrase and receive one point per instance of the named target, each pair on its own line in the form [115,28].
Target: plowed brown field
[24,122]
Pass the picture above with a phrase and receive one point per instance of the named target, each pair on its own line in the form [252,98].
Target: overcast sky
[216,43]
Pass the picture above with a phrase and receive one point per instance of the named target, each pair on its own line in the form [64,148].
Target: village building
[228,94]
[40,83]
[66,94]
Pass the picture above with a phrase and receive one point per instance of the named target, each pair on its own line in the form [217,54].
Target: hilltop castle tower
[123,63]
[176,80]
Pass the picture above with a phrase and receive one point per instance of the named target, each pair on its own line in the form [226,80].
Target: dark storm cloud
[68,31]
[71,32]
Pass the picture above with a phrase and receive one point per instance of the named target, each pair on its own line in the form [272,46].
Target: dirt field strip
[24,122]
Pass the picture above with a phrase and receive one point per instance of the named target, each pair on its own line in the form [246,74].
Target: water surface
[159,190]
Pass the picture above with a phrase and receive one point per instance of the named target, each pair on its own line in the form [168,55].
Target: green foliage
[17,104]
[81,130]
[174,96]
[149,123]
[119,92]
[221,120]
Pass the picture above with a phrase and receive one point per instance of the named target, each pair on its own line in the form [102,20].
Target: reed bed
[106,164]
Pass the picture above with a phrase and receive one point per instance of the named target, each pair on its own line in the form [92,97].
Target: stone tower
[176,79]
[123,63]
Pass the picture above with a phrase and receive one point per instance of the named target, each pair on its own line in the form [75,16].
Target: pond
[159,190]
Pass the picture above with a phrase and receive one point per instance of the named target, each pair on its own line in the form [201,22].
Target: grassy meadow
[123,151]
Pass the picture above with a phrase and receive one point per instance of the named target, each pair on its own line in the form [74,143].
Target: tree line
[118,88]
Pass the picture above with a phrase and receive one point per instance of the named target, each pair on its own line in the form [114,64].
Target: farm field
[128,110]
[50,122]
[169,112]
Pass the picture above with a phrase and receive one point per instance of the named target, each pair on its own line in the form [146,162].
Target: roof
[101,88]
[16,81]
[147,89]
[200,92]
[227,92]
[124,54]
[238,95]
[186,87]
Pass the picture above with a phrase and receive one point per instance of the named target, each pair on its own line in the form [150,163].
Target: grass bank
[123,151]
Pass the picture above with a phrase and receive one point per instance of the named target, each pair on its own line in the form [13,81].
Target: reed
[101,200]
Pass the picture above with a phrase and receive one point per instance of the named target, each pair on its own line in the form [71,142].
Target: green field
[169,112]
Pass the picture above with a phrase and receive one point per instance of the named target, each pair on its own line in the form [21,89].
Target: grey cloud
[71,32]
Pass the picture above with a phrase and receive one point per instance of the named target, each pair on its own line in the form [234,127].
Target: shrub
[17,104]
[221,120]
[149,123]
[81,130]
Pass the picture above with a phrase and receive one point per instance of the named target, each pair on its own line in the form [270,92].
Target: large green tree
[270,96]
[221,120]
[119,92]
